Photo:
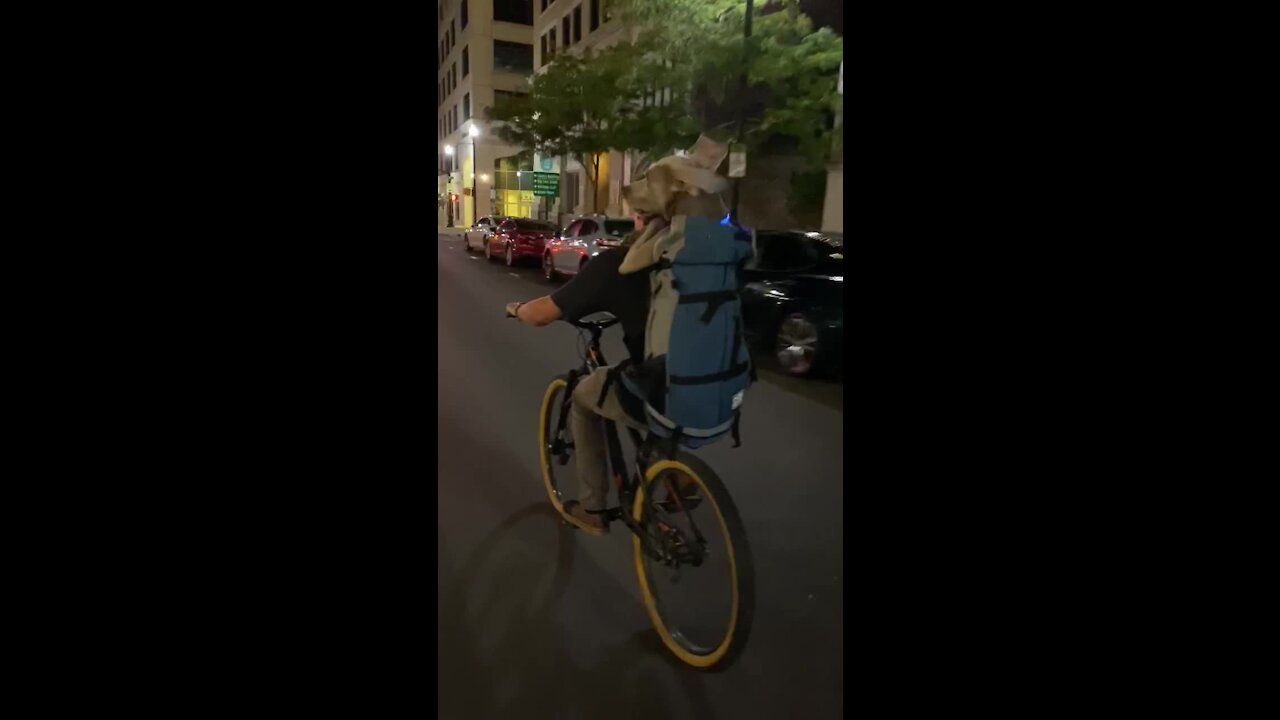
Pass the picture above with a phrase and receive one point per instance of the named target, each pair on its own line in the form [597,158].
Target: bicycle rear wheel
[692,532]
[555,441]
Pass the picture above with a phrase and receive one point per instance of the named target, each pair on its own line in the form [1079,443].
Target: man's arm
[537,313]
[576,298]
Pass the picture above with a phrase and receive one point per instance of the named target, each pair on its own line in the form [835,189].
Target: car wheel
[511,257]
[488,251]
[797,345]
[549,268]
[582,264]
[466,241]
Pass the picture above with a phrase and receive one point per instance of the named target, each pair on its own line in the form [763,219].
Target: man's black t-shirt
[599,288]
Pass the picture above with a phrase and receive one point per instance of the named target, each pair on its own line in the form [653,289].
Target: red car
[518,238]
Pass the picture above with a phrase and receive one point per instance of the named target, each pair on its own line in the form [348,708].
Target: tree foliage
[584,105]
[791,68]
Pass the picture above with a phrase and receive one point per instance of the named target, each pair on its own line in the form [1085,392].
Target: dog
[672,188]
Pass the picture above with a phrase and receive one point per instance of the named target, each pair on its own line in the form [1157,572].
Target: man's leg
[590,445]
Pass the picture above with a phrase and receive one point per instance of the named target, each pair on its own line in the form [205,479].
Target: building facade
[572,26]
[485,54]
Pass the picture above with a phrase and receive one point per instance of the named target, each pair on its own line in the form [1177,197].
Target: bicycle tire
[552,399]
[742,567]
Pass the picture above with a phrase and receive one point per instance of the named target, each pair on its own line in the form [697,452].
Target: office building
[485,55]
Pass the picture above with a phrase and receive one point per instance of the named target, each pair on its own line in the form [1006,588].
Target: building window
[502,98]
[564,30]
[512,57]
[608,15]
[544,5]
[454,70]
[466,107]
[545,59]
[595,14]
[453,32]
[552,42]
[577,23]
[466,61]
[464,14]
[455,117]
[519,12]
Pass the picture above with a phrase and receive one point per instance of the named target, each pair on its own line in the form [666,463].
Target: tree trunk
[595,183]
[593,172]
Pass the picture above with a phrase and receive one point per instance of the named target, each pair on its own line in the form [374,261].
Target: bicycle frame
[626,484]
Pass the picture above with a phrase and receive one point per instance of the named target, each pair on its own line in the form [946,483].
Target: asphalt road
[538,621]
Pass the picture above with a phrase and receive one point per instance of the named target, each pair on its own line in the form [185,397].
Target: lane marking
[513,274]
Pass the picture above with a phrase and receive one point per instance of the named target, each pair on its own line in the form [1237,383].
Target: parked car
[518,238]
[793,300]
[474,236]
[582,239]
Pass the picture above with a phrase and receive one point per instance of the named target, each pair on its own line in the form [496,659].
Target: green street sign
[546,184]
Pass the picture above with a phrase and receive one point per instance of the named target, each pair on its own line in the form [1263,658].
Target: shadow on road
[503,649]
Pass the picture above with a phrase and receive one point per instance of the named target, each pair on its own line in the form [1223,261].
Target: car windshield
[618,228]
[533,226]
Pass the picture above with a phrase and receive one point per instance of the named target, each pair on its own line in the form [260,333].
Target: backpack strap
[673,442]
[610,376]
[727,374]
[713,300]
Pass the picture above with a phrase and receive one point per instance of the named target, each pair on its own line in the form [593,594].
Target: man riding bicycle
[616,282]
[597,288]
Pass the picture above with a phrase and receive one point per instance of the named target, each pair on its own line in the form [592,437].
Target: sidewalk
[449,230]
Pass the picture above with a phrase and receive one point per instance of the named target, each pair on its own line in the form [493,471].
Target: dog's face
[671,177]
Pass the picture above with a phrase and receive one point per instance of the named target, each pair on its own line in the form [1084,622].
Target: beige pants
[589,444]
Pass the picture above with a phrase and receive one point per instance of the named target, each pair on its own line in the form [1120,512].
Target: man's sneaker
[590,523]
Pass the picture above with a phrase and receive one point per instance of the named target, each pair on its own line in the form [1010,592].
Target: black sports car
[793,300]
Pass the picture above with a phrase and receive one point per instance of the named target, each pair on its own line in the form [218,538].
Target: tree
[583,106]
[791,70]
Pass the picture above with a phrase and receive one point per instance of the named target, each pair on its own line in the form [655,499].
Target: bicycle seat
[597,321]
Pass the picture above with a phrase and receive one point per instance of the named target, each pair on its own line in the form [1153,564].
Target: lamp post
[448,186]
[742,97]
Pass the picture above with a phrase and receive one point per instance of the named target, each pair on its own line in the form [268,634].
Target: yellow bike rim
[544,427]
[650,603]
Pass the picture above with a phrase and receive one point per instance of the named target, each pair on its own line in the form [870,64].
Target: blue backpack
[697,367]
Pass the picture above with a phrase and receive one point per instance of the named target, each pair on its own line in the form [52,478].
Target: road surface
[538,621]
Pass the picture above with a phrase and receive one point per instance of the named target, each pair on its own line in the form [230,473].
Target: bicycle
[666,487]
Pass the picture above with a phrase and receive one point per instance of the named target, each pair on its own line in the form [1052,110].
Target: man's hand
[537,313]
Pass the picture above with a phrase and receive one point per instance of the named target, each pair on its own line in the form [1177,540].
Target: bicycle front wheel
[555,441]
[693,562]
